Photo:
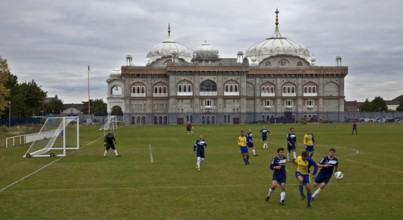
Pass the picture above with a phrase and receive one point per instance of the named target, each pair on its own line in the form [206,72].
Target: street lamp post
[9,113]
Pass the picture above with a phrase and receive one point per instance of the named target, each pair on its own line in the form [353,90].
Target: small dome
[167,48]
[206,52]
[276,45]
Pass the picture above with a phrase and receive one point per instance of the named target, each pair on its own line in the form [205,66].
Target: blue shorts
[280,178]
[310,148]
[304,176]
[244,149]
[322,178]
[264,138]
[250,144]
[290,148]
[200,153]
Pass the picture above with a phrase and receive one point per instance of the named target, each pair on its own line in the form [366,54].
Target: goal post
[57,135]
[111,123]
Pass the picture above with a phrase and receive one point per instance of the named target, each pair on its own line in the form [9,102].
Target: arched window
[208,86]
[179,88]
[155,89]
[184,88]
[143,90]
[226,88]
[235,88]
[165,89]
[230,88]
[299,63]
[189,88]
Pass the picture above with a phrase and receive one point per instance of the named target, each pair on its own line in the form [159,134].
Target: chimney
[239,57]
[129,60]
[338,61]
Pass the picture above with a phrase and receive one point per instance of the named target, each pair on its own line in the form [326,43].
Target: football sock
[288,156]
[294,154]
[316,192]
[116,152]
[309,197]
[282,196]
[245,160]
[105,153]
[254,151]
[270,192]
[198,161]
[301,189]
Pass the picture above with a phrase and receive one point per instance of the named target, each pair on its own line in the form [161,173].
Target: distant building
[275,79]
[72,109]
[352,106]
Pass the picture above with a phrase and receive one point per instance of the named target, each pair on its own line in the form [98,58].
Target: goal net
[111,123]
[57,135]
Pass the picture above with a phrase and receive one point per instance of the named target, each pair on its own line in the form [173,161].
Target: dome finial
[169,30]
[277,12]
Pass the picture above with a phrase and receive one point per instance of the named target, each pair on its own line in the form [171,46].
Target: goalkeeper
[109,143]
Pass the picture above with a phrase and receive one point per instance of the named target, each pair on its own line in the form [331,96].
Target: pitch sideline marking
[151,154]
[46,165]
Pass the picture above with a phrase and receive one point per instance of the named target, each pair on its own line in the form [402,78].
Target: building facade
[275,80]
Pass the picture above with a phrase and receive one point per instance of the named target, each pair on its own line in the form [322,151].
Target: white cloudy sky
[53,41]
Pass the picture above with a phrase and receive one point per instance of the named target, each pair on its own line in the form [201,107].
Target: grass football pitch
[156,177]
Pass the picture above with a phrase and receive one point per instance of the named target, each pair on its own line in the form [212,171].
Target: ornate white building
[276,80]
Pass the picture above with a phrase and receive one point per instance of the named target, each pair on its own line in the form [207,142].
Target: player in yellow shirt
[244,148]
[302,174]
[309,143]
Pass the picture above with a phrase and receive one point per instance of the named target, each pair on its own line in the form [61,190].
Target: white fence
[28,138]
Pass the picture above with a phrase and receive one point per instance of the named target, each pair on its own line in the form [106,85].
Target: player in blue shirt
[264,131]
[291,144]
[249,142]
[198,147]
[279,175]
[328,165]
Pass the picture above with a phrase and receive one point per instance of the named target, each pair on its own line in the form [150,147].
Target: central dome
[276,45]
[167,48]
[205,52]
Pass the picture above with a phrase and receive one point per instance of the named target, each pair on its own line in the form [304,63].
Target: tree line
[27,99]
[378,105]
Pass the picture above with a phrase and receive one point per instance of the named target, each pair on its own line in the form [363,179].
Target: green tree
[366,107]
[98,107]
[117,110]
[379,105]
[4,90]
[400,107]
[54,106]
[33,98]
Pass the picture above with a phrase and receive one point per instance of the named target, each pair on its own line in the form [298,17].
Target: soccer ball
[338,175]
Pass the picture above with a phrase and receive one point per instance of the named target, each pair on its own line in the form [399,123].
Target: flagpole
[89,106]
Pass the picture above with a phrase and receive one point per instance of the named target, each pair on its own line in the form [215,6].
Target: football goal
[111,123]
[57,135]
